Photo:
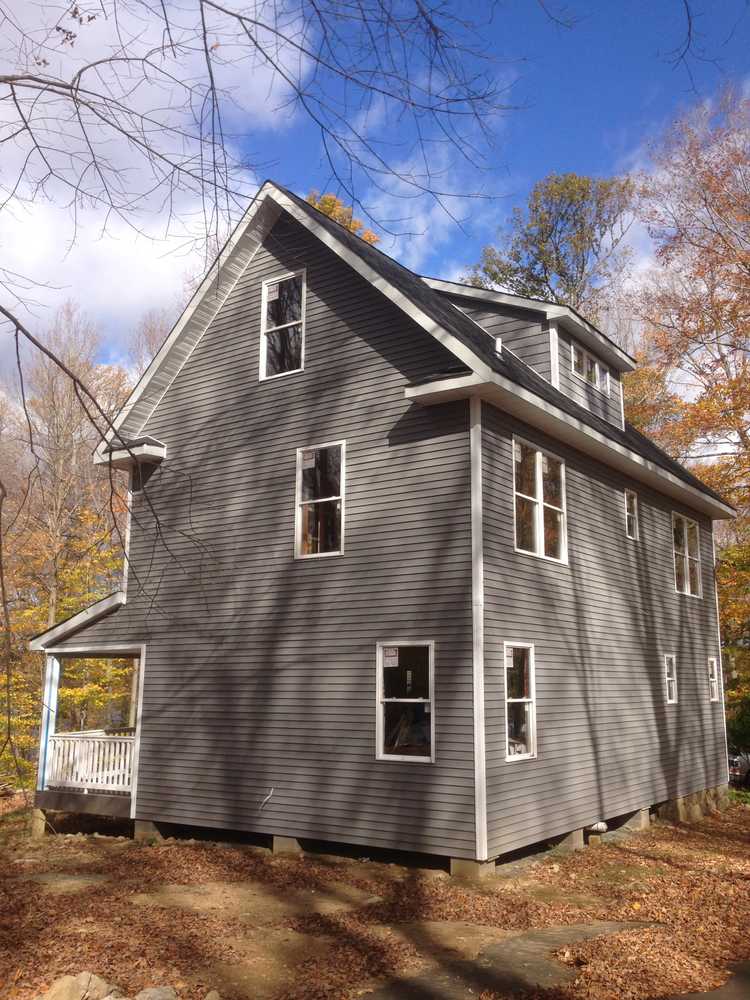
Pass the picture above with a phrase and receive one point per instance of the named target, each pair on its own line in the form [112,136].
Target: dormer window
[586,367]
[282,327]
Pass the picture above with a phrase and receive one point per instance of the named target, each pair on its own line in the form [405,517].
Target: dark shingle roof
[439,308]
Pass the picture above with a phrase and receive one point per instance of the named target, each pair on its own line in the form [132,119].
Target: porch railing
[91,761]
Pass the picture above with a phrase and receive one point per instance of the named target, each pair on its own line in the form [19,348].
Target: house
[399,574]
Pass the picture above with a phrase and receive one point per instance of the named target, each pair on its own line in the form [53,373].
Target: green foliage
[565,245]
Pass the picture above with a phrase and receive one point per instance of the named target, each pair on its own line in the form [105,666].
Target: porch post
[49,712]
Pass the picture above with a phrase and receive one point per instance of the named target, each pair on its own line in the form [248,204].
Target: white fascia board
[124,458]
[525,405]
[86,617]
[570,320]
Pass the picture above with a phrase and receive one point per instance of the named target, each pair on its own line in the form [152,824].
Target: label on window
[390,656]
[272,292]
[308,459]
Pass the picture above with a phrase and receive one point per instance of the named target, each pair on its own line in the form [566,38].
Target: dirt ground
[235,918]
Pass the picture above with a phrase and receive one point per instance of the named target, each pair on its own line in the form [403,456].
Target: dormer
[558,343]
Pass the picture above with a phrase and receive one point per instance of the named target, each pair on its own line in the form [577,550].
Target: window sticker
[272,292]
[390,656]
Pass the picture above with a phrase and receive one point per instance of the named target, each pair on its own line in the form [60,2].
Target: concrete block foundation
[145,831]
[285,845]
[471,870]
[38,824]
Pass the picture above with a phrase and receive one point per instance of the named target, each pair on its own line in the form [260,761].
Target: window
[405,722]
[586,367]
[713,679]
[539,487]
[520,712]
[282,327]
[631,514]
[319,523]
[670,675]
[687,563]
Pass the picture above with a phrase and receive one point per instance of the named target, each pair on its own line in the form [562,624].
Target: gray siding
[525,333]
[607,741]
[607,407]
[259,697]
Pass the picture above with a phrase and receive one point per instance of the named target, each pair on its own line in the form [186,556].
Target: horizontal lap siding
[607,407]
[522,332]
[607,741]
[259,699]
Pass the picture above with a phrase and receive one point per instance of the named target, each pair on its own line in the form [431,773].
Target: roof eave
[526,406]
[86,617]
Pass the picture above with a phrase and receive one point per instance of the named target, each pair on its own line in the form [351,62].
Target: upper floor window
[319,514]
[539,488]
[670,677]
[586,367]
[282,327]
[687,561]
[713,679]
[631,514]
[405,722]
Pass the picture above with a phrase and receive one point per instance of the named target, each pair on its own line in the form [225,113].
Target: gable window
[586,367]
[539,489]
[670,677]
[520,708]
[713,679]
[687,562]
[282,328]
[319,516]
[405,721]
[631,514]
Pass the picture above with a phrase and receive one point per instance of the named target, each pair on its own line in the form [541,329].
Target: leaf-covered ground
[233,917]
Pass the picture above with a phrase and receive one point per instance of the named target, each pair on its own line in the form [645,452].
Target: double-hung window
[282,326]
[319,514]
[687,562]
[520,708]
[670,678]
[585,366]
[713,679]
[631,514]
[539,488]
[405,720]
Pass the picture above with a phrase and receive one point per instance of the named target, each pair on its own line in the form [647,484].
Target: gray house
[399,574]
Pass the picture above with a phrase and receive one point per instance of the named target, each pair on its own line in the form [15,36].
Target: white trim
[86,617]
[477,612]
[598,369]
[636,515]
[511,758]
[380,701]
[713,679]
[719,656]
[49,716]
[540,502]
[141,668]
[530,408]
[262,361]
[675,700]
[575,323]
[298,503]
[621,390]
[688,557]
[554,356]
[126,458]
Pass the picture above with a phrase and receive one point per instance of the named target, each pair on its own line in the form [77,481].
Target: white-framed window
[405,726]
[631,514]
[713,679]
[586,367]
[319,500]
[539,501]
[670,678]
[282,325]
[520,701]
[687,556]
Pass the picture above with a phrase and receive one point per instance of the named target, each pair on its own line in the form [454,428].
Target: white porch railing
[90,761]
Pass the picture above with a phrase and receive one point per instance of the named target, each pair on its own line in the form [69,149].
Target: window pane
[525,469]
[284,302]
[552,481]
[525,524]
[591,370]
[519,728]
[694,576]
[409,676]
[679,572]
[517,668]
[552,533]
[578,367]
[671,689]
[321,527]
[284,350]
[630,503]
[678,534]
[321,473]
[692,539]
[603,379]
[406,729]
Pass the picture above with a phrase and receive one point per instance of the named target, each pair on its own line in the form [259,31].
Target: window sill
[298,557]
[520,756]
[539,555]
[686,593]
[404,760]
[272,378]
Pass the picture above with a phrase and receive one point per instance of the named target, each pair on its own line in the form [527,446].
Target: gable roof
[473,347]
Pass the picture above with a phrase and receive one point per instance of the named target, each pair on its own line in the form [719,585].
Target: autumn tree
[147,337]
[566,245]
[332,206]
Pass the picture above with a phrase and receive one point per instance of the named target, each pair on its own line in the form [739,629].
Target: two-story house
[398,572]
